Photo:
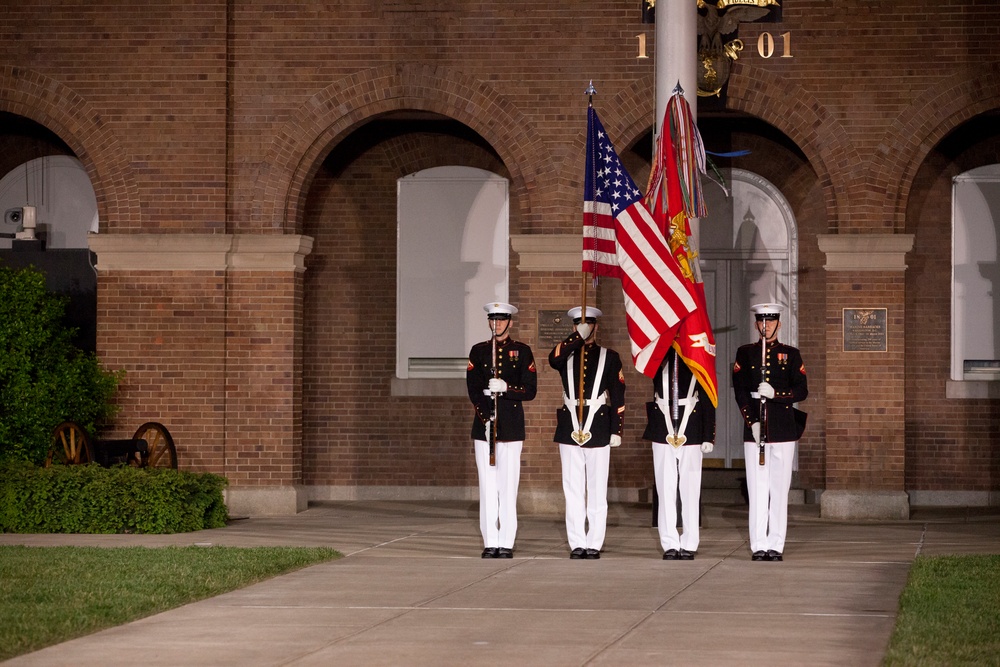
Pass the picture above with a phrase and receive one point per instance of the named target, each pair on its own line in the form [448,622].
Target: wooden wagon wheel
[70,445]
[161,452]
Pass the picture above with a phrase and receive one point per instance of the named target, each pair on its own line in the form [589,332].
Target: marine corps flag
[622,240]
[672,200]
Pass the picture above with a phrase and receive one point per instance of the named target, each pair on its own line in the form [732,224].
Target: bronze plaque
[553,327]
[865,329]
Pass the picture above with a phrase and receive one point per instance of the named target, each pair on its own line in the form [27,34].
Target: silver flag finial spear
[590,89]
[678,89]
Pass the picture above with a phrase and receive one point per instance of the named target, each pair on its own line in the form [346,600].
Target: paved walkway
[412,590]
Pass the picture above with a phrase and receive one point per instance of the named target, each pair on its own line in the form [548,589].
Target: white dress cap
[769,311]
[498,309]
[592,313]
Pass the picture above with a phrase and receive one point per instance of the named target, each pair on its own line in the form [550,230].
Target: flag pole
[583,302]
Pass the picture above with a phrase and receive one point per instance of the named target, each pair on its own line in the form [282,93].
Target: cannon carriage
[151,446]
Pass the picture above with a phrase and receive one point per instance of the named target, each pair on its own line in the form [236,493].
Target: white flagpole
[676,63]
[676,55]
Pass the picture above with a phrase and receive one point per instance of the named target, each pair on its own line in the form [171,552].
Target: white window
[65,204]
[452,252]
[975,322]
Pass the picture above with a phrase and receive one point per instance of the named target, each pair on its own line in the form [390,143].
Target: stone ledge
[266,500]
[859,505]
[200,252]
[865,252]
[548,252]
[972,389]
[954,498]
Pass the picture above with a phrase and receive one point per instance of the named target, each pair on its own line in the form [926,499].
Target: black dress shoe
[774,555]
[684,554]
[593,554]
[671,554]
[578,554]
[504,552]
[759,555]
[491,552]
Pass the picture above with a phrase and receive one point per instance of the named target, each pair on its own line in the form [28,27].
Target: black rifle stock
[492,435]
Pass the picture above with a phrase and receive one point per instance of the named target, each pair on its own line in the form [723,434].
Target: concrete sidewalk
[412,590]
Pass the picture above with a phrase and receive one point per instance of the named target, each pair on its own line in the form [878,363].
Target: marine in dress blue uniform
[503,383]
[680,422]
[584,444]
[767,384]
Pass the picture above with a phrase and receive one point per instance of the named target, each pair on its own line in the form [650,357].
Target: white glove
[755,429]
[707,447]
[584,330]
[616,440]
[486,392]
[765,390]
[497,386]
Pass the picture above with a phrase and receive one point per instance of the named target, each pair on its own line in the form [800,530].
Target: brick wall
[256,118]
[167,331]
[865,432]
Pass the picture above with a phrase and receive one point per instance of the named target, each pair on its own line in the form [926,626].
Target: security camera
[13,216]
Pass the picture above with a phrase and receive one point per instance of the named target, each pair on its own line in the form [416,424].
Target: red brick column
[209,330]
[865,390]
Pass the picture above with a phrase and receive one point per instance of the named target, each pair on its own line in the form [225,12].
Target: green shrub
[121,499]
[44,378]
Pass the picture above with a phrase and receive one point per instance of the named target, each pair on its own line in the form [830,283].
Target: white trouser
[585,485]
[668,464]
[767,486]
[498,492]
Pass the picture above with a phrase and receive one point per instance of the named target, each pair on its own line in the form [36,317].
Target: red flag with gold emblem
[671,199]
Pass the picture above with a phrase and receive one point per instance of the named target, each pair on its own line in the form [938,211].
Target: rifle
[492,435]
[763,401]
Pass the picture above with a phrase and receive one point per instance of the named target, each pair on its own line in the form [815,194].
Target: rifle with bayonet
[492,435]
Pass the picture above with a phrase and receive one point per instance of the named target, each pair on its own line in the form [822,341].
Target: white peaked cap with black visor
[592,314]
[766,311]
[497,310]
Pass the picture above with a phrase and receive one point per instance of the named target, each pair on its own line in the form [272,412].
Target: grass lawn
[949,613]
[51,594]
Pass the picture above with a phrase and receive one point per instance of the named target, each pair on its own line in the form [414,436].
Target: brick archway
[920,127]
[316,127]
[808,123]
[63,111]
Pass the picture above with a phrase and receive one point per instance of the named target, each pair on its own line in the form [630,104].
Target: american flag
[621,240]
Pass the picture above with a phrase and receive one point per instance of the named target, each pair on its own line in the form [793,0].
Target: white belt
[591,403]
[677,438]
[596,400]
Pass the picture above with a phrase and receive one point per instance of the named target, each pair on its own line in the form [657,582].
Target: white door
[748,245]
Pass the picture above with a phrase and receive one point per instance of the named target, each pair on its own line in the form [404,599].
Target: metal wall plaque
[553,327]
[865,329]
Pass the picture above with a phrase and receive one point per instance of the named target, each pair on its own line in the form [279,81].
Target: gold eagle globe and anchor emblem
[716,20]
[715,56]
